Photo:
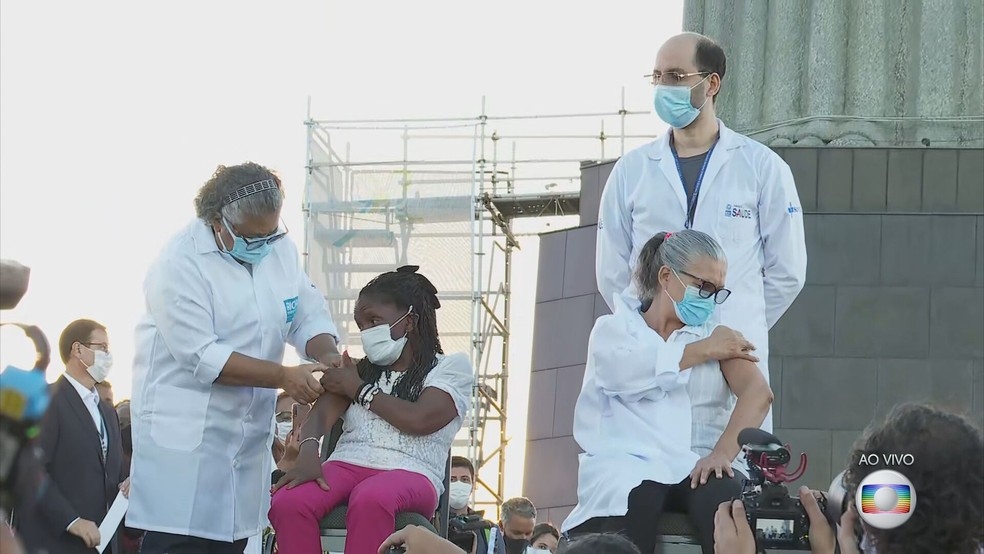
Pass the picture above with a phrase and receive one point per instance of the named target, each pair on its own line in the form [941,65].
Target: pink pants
[374,497]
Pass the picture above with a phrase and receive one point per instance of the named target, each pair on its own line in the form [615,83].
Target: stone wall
[893,308]
[849,72]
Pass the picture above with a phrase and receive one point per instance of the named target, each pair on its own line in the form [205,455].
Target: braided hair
[404,288]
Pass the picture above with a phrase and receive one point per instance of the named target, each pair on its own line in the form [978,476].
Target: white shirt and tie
[90,397]
[201,450]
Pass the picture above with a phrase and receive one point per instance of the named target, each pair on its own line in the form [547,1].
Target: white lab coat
[748,203]
[201,450]
[633,416]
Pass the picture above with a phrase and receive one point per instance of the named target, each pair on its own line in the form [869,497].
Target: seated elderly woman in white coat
[657,417]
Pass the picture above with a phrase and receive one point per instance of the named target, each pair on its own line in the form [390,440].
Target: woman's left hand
[292,446]
[714,462]
[343,380]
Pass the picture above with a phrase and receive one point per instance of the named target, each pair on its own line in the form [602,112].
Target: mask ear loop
[404,316]
[701,108]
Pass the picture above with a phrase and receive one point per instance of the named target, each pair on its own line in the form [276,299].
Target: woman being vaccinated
[663,398]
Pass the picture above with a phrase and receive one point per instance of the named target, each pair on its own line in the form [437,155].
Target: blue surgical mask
[240,250]
[692,310]
[673,104]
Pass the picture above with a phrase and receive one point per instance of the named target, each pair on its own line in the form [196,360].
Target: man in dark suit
[81,449]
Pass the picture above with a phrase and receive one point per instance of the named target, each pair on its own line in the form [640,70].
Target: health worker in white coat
[222,299]
[701,175]
[657,417]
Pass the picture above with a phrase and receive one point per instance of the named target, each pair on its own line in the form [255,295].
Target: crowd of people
[700,251]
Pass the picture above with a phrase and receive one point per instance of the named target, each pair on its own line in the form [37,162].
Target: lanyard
[692,201]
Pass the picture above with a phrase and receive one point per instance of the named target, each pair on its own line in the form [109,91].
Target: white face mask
[458,495]
[284,427]
[102,363]
[532,550]
[379,345]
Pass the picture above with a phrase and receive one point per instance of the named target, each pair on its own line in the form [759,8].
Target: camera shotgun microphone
[754,435]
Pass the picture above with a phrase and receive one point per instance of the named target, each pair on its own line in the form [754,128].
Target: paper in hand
[112,521]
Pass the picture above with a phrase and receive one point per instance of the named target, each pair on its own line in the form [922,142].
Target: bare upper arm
[743,376]
[436,409]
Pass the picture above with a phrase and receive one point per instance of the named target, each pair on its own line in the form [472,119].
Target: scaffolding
[439,193]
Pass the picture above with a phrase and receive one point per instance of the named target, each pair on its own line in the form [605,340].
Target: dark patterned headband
[249,190]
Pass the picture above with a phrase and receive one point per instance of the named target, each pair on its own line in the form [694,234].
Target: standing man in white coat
[223,298]
[701,175]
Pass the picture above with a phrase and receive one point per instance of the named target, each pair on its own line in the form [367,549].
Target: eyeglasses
[258,242]
[101,346]
[284,417]
[672,77]
[707,290]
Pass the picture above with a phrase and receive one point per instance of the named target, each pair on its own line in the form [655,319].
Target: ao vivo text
[886,460]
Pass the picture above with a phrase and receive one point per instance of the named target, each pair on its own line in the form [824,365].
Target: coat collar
[628,306]
[82,413]
[203,237]
[730,140]
[662,154]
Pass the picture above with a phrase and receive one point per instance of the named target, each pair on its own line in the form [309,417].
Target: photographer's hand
[732,535]
[846,538]
[821,535]
[417,540]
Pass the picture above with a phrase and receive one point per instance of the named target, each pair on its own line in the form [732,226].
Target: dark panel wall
[893,308]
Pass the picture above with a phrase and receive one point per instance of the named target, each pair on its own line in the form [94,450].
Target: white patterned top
[370,441]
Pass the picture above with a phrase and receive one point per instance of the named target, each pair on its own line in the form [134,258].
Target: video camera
[778,520]
[23,400]
[463,530]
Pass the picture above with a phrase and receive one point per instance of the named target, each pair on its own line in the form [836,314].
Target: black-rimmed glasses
[254,243]
[707,289]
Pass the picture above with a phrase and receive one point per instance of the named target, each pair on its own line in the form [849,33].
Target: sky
[114,113]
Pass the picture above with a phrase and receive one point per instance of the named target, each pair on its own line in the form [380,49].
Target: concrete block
[807,328]
[953,250]
[579,267]
[970,180]
[561,331]
[828,393]
[844,250]
[870,180]
[803,163]
[841,444]
[906,250]
[939,382]
[590,195]
[817,446]
[978,409]
[834,180]
[950,379]
[775,381]
[882,322]
[601,307]
[905,175]
[979,253]
[957,323]
[550,277]
[940,181]
[556,515]
[569,381]
[604,172]
[543,395]
[550,478]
